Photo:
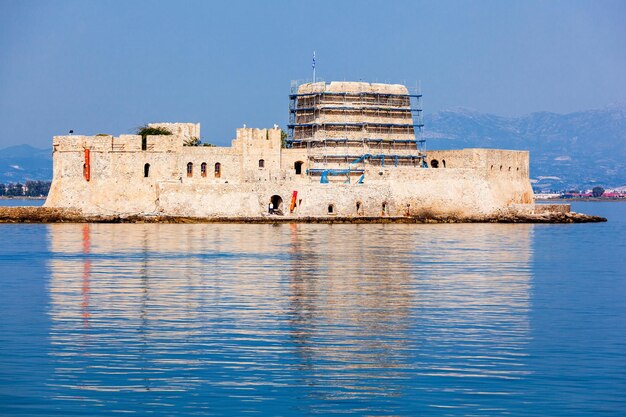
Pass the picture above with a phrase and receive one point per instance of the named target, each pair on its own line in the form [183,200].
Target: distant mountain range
[21,163]
[567,151]
[575,150]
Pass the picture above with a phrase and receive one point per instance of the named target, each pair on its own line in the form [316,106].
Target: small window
[434,163]
[358,207]
[500,167]
[203,169]
[443,162]
[146,170]
[218,170]
[190,169]
[298,167]
[331,209]
[144,143]
[261,163]
[384,209]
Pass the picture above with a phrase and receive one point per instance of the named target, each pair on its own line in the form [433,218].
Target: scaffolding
[375,125]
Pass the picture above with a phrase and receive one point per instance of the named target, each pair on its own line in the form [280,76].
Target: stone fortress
[353,149]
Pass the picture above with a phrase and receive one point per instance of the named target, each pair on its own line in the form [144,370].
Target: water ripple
[309,319]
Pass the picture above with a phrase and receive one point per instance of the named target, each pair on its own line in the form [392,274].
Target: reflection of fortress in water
[435,300]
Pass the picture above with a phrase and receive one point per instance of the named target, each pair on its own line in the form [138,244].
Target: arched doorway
[434,163]
[298,167]
[359,208]
[277,204]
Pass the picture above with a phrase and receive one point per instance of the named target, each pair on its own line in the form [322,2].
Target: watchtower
[346,125]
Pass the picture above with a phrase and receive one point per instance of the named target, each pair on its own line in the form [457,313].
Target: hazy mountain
[23,162]
[576,150]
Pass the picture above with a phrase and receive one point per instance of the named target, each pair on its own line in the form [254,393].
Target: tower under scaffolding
[346,125]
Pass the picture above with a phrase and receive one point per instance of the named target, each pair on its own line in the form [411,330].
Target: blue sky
[109,66]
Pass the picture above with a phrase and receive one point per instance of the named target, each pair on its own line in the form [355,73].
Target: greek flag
[313,65]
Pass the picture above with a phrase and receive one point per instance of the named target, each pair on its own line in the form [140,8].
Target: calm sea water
[450,320]
[12,202]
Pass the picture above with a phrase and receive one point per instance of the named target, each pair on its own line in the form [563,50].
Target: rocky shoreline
[56,215]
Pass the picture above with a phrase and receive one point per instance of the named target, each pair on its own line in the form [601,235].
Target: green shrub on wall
[146,130]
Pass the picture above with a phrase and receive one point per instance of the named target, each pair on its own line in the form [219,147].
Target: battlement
[180,134]
[254,138]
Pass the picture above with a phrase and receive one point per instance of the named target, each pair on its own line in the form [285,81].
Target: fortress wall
[459,192]
[256,145]
[117,183]
[162,143]
[493,160]
[290,156]
[117,186]
[182,130]
[228,159]
[68,143]
[471,184]
[127,143]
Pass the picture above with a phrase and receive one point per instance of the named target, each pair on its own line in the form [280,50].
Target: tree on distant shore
[597,191]
[37,188]
[15,190]
[29,189]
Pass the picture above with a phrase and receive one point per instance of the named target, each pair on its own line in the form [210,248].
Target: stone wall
[183,130]
[473,182]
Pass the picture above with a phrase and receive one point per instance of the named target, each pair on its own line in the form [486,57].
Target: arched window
[190,169]
[443,162]
[203,169]
[298,167]
[261,163]
[146,170]
[385,207]
[434,163]
[218,170]
[331,209]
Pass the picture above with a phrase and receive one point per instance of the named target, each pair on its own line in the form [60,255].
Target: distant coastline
[584,199]
[22,197]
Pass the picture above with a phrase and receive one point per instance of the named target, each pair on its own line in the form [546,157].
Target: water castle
[353,149]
